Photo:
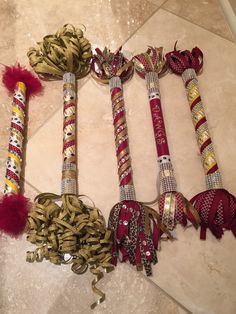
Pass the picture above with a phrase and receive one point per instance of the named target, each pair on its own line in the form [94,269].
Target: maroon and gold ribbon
[216,206]
[16,140]
[136,228]
[173,206]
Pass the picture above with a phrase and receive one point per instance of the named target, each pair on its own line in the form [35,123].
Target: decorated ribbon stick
[135,226]
[173,206]
[64,228]
[14,206]
[216,206]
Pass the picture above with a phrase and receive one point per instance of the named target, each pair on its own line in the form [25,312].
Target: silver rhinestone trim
[114,82]
[69,78]
[69,167]
[167,178]
[152,81]
[214,181]
[189,74]
[127,192]
[68,186]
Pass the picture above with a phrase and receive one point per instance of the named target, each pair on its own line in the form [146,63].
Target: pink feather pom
[13,214]
[17,73]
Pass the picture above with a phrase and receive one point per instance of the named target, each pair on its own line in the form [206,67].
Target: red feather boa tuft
[17,73]
[217,210]
[13,214]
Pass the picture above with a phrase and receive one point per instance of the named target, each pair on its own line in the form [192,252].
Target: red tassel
[13,214]
[17,73]
[217,210]
[136,234]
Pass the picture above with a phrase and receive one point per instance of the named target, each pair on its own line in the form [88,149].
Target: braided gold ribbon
[66,51]
[66,231]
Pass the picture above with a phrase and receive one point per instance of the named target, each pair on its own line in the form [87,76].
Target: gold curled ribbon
[66,51]
[189,207]
[65,230]
[150,212]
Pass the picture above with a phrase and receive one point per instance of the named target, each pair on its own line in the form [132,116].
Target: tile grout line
[167,294]
[142,24]
[185,19]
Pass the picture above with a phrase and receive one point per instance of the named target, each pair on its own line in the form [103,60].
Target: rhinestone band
[167,178]
[214,181]
[152,82]
[127,192]
[189,74]
[114,82]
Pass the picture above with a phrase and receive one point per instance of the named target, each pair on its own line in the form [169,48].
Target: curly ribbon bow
[173,206]
[216,206]
[136,227]
[66,51]
[70,232]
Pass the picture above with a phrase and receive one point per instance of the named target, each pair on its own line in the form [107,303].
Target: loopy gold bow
[65,230]
[66,51]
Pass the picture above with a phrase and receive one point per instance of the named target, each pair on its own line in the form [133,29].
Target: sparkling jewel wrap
[16,141]
[127,191]
[69,169]
[213,177]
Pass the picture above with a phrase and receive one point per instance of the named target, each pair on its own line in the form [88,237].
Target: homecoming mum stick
[64,228]
[14,205]
[216,206]
[173,206]
[135,226]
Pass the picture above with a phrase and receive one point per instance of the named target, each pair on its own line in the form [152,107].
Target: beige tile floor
[191,276]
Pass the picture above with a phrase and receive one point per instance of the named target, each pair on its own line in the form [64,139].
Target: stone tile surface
[205,13]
